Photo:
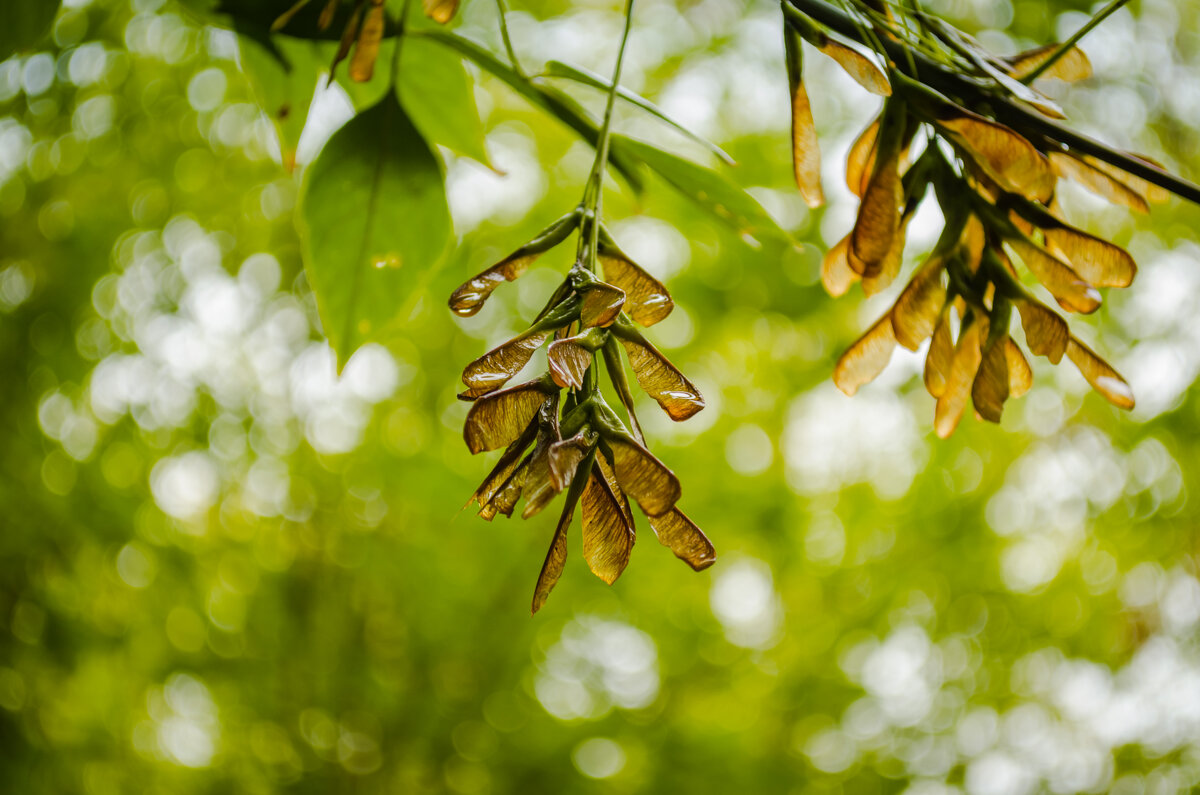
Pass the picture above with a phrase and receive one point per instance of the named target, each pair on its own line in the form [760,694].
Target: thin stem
[589,234]
[508,46]
[401,29]
[1066,46]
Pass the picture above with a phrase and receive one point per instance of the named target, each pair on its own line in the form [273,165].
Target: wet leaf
[940,358]
[373,225]
[602,303]
[660,379]
[836,273]
[608,537]
[569,358]
[967,356]
[1045,332]
[496,419]
[681,535]
[1073,65]
[642,476]
[440,11]
[1103,378]
[646,299]
[469,298]
[494,368]
[867,357]
[1071,292]
[861,160]
[504,468]
[566,456]
[366,50]
[915,313]
[1097,181]
[556,557]
[1020,374]
[806,150]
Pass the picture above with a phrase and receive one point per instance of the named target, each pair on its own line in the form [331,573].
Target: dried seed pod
[806,151]
[440,11]
[1045,332]
[836,273]
[556,557]
[496,419]
[1097,181]
[679,533]
[867,357]
[469,298]
[570,357]
[1073,65]
[602,302]
[879,212]
[660,379]
[366,49]
[608,537]
[860,162]
[1020,374]
[1071,292]
[940,358]
[967,356]
[1100,374]
[916,312]
[646,299]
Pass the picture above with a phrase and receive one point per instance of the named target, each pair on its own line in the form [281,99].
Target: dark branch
[972,92]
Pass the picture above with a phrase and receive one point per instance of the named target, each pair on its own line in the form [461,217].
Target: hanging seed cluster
[557,431]
[996,189]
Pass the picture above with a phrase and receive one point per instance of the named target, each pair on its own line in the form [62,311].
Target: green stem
[589,232]
[401,29]
[1066,46]
[508,46]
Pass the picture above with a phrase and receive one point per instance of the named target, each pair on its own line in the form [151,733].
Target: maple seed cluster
[574,441]
[996,189]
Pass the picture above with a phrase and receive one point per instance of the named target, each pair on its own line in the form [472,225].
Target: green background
[224,569]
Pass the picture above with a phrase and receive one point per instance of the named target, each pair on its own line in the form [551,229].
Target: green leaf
[23,23]
[439,95]
[549,99]
[568,72]
[373,224]
[284,77]
[710,189]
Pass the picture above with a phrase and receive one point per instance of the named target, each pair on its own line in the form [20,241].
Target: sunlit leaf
[660,379]
[940,357]
[915,313]
[1071,292]
[1045,332]
[469,298]
[374,223]
[440,11]
[439,95]
[867,357]
[579,75]
[711,190]
[646,299]
[967,355]
[1097,181]
[1020,374]
[836,273]
[607,536]
[1103,378]
[1073,65]
[806,152]
[496,419]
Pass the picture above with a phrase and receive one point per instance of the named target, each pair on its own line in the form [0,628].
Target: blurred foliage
[225,569]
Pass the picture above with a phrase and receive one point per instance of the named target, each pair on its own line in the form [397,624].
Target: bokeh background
[224,569]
